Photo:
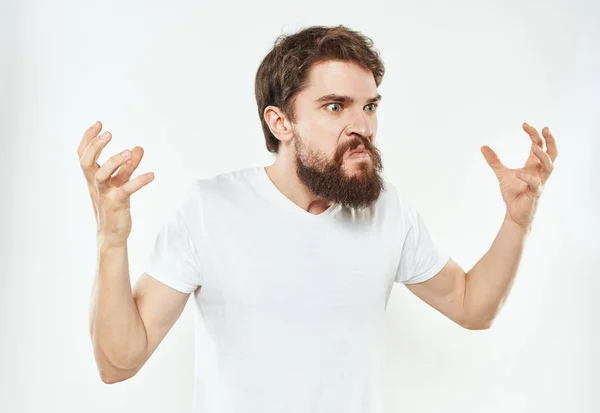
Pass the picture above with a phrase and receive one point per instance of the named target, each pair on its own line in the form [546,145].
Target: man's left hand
[521,188]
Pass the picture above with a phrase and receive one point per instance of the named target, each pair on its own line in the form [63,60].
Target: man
[292,265]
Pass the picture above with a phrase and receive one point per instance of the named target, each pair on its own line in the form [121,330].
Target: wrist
[106,243]
[508,221]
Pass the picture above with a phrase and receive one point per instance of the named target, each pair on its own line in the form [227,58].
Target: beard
[354,183]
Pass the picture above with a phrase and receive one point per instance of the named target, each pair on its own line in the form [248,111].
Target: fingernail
[105,136]
[126,153]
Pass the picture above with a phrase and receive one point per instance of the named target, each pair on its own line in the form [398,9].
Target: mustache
[355,143]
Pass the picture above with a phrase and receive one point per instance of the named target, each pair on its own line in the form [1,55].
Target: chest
[303,269]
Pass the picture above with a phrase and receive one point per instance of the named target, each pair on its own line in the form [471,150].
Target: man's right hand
[110,193]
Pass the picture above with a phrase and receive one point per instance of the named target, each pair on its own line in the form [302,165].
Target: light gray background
[178,79]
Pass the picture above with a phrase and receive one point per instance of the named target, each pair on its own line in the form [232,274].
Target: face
[335,115]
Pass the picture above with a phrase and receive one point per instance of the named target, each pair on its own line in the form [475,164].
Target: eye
[374,105]
[334,105]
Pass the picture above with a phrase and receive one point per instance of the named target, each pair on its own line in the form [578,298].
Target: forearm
[116,328]
[489,282]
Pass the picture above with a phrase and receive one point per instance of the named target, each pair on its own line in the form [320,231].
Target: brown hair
[284,70]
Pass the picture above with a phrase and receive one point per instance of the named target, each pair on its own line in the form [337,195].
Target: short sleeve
[174,259]
[420,257]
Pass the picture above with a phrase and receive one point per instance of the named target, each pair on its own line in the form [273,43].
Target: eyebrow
[344,99]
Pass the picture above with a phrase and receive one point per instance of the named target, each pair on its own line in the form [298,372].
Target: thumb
[492,160]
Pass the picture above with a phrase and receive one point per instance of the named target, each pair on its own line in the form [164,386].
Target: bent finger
[137,183]
[550,143]
[534,135]
[88,161]
[103,174]
[544,158]
[126,170]
[534,182]
[89,134]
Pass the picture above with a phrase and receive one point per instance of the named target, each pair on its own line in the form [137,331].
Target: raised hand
[110,193]
[521,188]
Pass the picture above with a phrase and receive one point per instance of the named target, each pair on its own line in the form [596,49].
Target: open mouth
[360,155]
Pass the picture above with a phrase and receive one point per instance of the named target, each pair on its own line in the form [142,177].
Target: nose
[360,125]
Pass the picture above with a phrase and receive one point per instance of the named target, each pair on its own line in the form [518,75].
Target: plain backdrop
[177,78]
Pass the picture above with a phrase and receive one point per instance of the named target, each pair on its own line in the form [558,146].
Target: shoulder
[204,190]
[403,208]
[224,183]
[395,199]
[219,195]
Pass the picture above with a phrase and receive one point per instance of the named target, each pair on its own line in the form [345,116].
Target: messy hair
[284,71]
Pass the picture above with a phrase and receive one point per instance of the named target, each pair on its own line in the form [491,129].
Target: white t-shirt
[290,313]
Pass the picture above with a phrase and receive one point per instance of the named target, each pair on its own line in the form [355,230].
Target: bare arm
[127,326]
[489,282]
[116,328]
[474,299]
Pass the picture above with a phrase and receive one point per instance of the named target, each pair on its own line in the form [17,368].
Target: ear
[279,124]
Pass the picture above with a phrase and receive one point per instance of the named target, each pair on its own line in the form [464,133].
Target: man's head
[317,98]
